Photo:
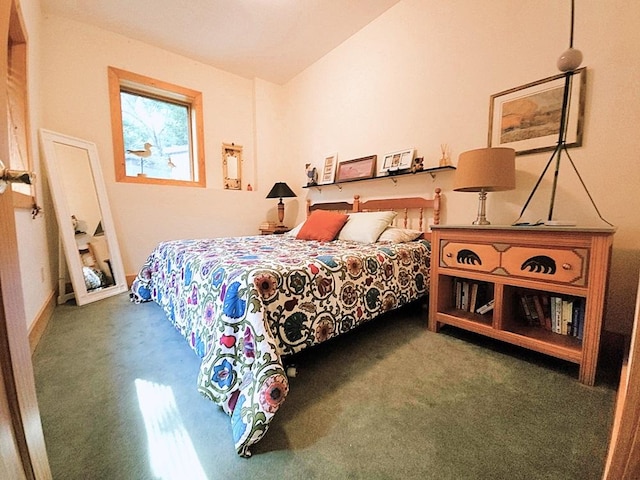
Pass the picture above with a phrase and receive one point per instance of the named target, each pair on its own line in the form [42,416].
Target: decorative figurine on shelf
[417,165]
[312,175]
[445,161]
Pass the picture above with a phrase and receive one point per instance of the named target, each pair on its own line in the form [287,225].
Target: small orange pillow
[322,225]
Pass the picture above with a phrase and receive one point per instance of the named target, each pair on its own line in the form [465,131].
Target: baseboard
[42,320]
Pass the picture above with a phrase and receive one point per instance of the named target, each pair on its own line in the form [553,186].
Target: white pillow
[365,227]
[294,231]
[399,235]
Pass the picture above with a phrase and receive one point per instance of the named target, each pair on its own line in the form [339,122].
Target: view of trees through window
[156,137]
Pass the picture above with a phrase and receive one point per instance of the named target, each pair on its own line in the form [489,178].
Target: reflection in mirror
[84,218]
[82,200]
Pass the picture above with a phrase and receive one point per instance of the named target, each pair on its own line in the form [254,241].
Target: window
[157,131]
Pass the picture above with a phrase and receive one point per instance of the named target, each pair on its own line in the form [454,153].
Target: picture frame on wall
[527,118]
[395,161]
[356,169]
[232,166]
[328,172]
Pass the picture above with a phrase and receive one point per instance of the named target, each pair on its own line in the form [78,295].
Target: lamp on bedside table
[280,190]
[485,170]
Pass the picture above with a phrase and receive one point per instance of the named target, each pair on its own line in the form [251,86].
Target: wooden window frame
[134,83]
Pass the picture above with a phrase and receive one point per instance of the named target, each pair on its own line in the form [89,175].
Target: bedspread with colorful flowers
[243,303]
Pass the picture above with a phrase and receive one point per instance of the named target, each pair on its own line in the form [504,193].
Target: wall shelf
[394,178]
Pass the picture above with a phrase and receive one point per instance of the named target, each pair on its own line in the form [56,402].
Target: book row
[558,314]
[563,315]
[473,296]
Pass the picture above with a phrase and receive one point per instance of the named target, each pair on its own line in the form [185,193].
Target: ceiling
[270,39]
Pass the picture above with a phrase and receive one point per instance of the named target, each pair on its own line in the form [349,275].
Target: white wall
[75,58]
[422,74]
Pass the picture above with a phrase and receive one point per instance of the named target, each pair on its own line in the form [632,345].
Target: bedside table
[527,272]
[274,230]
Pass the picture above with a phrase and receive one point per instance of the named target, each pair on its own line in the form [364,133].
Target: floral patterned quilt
[243,303]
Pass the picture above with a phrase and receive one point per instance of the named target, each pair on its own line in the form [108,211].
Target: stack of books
[268,226]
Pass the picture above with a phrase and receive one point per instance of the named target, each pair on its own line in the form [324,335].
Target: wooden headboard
[344,207]
[412,211]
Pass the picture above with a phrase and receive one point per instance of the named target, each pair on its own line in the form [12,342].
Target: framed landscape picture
[357,169]
[527,118]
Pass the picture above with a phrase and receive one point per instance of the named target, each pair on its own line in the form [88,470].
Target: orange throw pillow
[322,225]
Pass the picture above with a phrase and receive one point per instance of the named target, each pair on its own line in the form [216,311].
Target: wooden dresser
[547,284]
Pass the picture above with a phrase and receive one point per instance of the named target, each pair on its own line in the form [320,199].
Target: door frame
[21,428]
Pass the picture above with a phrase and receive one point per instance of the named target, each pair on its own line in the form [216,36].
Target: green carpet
[390,400]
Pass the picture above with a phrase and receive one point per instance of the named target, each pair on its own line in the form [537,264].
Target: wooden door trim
[623,459]
[15,354]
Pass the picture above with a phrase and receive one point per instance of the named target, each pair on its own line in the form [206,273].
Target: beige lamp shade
[486,169]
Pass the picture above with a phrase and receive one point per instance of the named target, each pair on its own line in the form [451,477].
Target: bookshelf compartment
[551,312]
[521,313]
[471,300]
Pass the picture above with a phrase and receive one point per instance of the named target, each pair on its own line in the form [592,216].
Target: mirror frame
[48,141]
[232,153]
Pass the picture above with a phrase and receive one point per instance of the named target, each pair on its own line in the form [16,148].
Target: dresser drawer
[562,265]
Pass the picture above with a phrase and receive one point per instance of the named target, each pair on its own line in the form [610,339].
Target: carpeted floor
[388,401]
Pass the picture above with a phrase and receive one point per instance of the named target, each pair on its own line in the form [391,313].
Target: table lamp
[280,190]
[485,170]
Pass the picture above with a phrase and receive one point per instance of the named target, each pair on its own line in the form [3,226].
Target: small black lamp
[280,190]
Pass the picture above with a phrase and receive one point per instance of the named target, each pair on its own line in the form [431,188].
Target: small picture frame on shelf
[357,169]
[328,173]
[396,161]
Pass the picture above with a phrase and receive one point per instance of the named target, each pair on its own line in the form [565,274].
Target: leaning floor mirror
[85,225]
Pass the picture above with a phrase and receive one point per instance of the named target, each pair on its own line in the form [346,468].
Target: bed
[246,304]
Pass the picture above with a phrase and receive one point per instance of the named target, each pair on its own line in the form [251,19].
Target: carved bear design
[540,264]
[468,257]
